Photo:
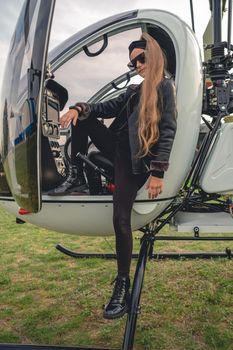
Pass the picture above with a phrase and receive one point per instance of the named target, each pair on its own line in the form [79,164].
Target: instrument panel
[52,104]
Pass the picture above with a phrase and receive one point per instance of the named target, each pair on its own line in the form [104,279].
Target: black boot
[119,302]
[75,181]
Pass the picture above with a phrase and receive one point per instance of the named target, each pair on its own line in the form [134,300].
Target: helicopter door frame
[21,103]
[58,67]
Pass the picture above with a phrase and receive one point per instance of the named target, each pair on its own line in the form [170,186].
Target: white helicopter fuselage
[92,215]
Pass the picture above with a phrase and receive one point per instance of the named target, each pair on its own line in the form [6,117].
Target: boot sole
[114,317]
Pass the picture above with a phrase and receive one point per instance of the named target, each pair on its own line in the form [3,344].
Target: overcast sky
[72,15]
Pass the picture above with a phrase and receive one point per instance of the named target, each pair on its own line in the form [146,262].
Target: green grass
[49,298]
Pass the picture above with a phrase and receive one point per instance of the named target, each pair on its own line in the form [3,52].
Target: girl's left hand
[154,187]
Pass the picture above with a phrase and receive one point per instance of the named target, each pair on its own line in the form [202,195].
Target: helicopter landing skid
[43,347]
[159,256]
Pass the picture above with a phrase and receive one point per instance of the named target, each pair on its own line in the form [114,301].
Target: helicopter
[35,161]
[35,152]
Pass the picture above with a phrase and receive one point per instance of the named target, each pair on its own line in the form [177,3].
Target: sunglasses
[132,65]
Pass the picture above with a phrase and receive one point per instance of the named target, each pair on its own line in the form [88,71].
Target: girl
[139,143]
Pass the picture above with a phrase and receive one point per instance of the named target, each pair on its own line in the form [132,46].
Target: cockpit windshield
[84,76]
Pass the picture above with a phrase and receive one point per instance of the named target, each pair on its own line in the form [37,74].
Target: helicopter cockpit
[95,73]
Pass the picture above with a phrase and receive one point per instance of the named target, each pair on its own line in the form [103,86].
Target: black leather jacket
[126,108]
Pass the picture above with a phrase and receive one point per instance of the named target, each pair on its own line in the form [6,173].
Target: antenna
[192,16]
[229,25]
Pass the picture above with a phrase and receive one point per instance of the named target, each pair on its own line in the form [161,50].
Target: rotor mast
[217,20]
[217,8]
[219,99]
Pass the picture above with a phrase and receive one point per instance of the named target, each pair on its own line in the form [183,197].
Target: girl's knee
[121,224]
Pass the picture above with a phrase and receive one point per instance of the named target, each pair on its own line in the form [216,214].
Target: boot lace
[119,288]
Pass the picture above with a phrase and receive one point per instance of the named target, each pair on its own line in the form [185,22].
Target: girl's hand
[154,187]
[70,116]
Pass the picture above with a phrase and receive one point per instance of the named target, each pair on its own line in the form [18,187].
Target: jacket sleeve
[167,128]
[108,109]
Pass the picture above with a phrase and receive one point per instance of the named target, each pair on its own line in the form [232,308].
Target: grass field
[49,298]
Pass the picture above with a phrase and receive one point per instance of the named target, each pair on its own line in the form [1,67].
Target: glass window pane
[83,76]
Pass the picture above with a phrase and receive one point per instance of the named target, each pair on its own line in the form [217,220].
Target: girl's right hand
[70,116]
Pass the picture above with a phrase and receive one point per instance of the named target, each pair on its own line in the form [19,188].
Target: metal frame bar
[44,347]
[130,328]
[160,255]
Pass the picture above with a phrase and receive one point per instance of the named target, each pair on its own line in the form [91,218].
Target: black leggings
[126,183]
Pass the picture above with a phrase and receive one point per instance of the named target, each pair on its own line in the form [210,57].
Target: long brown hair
[150,99]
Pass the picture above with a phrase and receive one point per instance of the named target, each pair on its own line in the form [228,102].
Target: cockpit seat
[102,162]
